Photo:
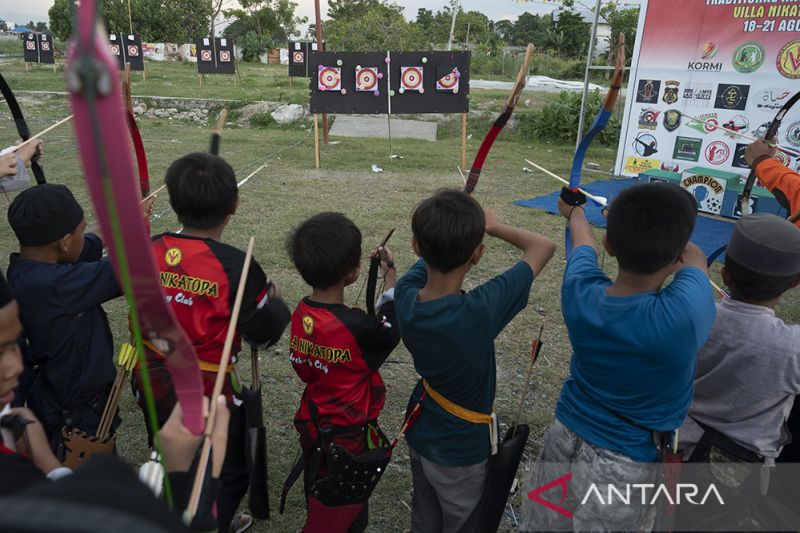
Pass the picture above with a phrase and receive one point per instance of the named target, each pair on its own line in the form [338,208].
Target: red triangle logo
[562,482]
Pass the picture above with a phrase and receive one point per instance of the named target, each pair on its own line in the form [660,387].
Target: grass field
[289,190]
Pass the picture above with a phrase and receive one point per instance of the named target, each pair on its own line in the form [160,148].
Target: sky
[36,10]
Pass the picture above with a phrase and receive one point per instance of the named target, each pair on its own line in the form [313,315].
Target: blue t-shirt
[632,355]
[452,342]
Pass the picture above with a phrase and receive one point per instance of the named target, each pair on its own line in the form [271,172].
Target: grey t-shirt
[748,374]
[18,181]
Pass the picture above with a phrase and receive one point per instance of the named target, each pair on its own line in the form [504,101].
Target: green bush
[262,120]
[557,121]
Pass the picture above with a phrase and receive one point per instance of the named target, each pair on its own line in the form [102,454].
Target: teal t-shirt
[452,342]
[633,356]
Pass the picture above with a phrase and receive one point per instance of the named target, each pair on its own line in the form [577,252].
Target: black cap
[767,245]
[44,214]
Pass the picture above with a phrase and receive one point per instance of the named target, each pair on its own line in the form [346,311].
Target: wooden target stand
[56,66]
[237,77]
[391,151]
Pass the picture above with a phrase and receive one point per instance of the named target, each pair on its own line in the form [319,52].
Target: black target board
[30,48]
[46,52]
[215,56]
[127,49]
[393,82]
[299,53]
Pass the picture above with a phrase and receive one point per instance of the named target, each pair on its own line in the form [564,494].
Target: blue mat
[709,233]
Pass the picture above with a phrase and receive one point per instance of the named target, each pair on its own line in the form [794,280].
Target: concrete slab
[377,128]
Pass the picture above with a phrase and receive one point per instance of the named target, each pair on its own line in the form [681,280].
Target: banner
[702,65]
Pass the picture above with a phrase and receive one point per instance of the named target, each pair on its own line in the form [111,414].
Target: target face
[205,55]
[224,55]
[448,83]
[411,78]
[366,79]
[114,49]
[330,79]
[30,45]
[45,46]
[133,50]
[297,57]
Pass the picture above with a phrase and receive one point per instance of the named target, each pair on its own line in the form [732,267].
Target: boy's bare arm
[582,234]
[693,256]
[537,249]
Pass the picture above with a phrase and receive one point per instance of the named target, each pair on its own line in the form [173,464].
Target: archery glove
[573,196]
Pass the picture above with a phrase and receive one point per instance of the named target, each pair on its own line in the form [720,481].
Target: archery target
[224,56]
[133,50]
[45,46]
[30,45]
[411,79]
[366,79]
[114,49]
[205,55]
[330,79]
[298,57]
[449,82]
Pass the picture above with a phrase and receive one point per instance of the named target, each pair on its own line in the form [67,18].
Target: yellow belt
[465,414]
[205,366]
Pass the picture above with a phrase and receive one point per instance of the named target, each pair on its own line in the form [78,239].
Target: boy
[60,281]
[749,346]
[337,351]
[634,346]
[782,182]
[450,335]
[200,277]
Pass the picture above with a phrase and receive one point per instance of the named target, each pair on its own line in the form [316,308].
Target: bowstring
[86,65]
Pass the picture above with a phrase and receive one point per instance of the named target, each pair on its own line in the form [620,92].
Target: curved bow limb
[600,122]
[22,127]
[499,123]
[136,136]
[95,95]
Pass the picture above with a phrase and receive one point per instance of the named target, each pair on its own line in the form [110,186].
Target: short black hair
[325,248]
[649,226]
[202,190]
[753,286]
[448,227]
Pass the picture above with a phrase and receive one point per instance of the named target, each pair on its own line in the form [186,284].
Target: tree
[573,32]
[425,19]
[41,27]
[381,27]
[621,21]
[262,24]
[472,25]
[3,25]
[343,9]
[167,21]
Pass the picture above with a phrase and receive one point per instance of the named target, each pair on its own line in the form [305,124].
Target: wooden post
[316,141]
[27,66]
[238,75]
[290,82]
[389,123]
[318,27]
[464,141]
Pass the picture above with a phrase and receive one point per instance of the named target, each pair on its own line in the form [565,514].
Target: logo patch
[788,61]
[706,52]
[706,123]
[687,148]
[669,166]
[698,95]
[730,96]
[647,92]
[748,57]
[738,156]
[793,134]
[173,257]
[772,99]
[671,91]
[645,145]
[672,120]
[737,124]
[636,165]
[717,152]
[648,118]
[308,325]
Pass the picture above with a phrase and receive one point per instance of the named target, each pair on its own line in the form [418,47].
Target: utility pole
[589,62]
[319,49]
[452,25]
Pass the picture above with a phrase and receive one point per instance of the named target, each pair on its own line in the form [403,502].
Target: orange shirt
[778,178]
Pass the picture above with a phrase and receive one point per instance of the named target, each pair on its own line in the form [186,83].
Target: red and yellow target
[224,56]
[30,45]
[411,79]
[449,82]
[298,57]
[133,50]
[366,79]
[45,45]
[114,49]
[205,55]
[330,79]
